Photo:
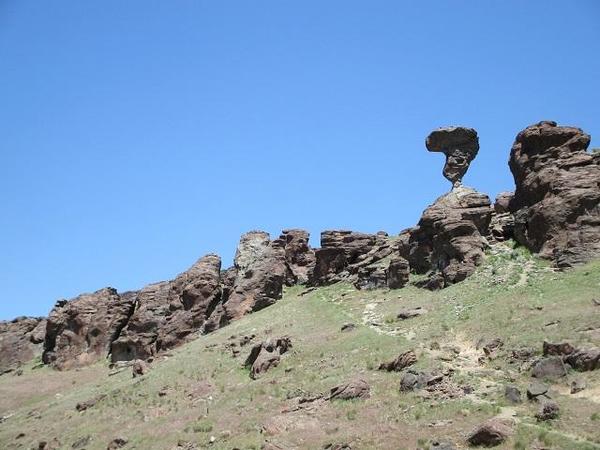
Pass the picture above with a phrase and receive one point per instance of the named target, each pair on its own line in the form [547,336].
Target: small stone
[549,410]
[577,385]
[512,394]
[348,327]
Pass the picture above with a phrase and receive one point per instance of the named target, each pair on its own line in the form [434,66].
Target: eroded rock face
[168,313]
[557,198]
[449,240]
[354,257]
[260,273]
[459,144]
[299,256]
[20,341]
[80,331]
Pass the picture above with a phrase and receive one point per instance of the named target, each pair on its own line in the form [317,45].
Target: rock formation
[459,144]
[20,341]
[80,331]
[167,313]
[299,257]
[557,198]
[449,239]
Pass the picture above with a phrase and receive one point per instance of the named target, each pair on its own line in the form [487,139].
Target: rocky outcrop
[80,331]
[502,224]
[557,197]
[260,273]
[449,241]
[20,341]
[299,256]
[168,313]
[459,144]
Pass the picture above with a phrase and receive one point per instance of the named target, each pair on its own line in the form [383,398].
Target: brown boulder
[20,341]
[459,144]
[403,361]
[584,359]
[80,331]
[560,348]
[266,355]
[357,388]
[557,197]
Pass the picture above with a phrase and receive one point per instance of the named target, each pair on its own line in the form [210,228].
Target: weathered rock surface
[80,331]
[398,272]
[502,224]
[260,273]
[266,355]
[20,341]
[449,240]
[168,313]
[557,197]
[551,367]
[459,144]
[299,256]
[357,388]
[548,410]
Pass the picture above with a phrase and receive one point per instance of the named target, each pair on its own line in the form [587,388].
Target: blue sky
[137,136]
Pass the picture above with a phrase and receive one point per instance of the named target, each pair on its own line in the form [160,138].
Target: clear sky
[136,136]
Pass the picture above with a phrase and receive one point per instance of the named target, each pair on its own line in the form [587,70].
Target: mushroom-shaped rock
[459,144]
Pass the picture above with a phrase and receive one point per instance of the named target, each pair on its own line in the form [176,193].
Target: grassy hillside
[200,396]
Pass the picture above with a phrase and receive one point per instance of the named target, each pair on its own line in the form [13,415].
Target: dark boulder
[584,359]
[548,410]
[490,433]
[403,361]
[551,367]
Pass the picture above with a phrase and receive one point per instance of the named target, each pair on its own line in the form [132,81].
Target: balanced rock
[557,197]
[80,331]
[459,144]
[20,341]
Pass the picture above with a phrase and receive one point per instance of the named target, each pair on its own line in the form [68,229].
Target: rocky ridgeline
[554,212]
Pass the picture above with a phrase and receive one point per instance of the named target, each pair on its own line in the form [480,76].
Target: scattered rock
[89,403]
[54,444]
[459,144]
[357,388]
[557,197]
[512,394]
[117,443]
[578,385]
[549,410]
[492,346]
[437,445]
[559,349]
[551,367]
[266,355]
[339,446]
[536,390]
[584,359]
[403,361]
[82,442]
[412,379]
[348,327]
[139,368]
[410,313]
[490,433]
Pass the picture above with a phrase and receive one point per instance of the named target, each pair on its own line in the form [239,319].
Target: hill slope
[201,396]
